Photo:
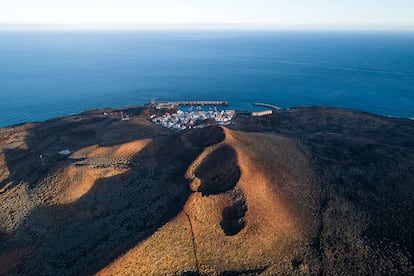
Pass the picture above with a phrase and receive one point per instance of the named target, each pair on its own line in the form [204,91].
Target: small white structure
[262,113]
[65,152]
[124,117]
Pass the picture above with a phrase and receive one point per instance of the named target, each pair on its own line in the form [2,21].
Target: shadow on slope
[116,213]
[219,172]
[366,165]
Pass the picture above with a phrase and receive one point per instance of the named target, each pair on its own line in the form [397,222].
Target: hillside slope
[365,165]
[307,191]
[240,213]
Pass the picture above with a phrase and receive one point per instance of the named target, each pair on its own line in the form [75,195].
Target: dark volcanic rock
[366,166]
[219,172]
[336,186]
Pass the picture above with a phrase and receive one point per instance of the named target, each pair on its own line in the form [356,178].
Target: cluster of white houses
[176,104]
[182,120]
[262,113]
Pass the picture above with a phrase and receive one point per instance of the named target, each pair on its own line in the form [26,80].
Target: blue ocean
[46,74]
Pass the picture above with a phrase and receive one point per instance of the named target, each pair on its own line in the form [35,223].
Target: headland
[305,191]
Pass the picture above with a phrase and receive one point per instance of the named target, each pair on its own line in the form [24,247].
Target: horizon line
[207,26]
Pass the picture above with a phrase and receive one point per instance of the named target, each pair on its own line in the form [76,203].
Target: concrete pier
[268,105]
[201,103]
[174,104]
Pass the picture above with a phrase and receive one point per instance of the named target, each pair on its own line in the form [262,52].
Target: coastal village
[183,120]
[169,116]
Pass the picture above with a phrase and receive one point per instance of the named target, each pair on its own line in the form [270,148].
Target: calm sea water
[46,74]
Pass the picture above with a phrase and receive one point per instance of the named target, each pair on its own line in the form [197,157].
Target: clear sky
[278,13]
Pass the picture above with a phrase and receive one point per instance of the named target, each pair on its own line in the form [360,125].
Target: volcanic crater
[305,191]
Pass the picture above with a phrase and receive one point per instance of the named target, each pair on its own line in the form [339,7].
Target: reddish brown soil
[308,191]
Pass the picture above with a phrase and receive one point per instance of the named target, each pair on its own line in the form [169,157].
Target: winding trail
[193,241]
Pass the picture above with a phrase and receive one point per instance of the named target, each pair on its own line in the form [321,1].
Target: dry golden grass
[78,180]
[123,151]
[269,229]
[279,171]
[11,139]
[168,251]
[14,137]
[325,198]
[65,184]
[272,227]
